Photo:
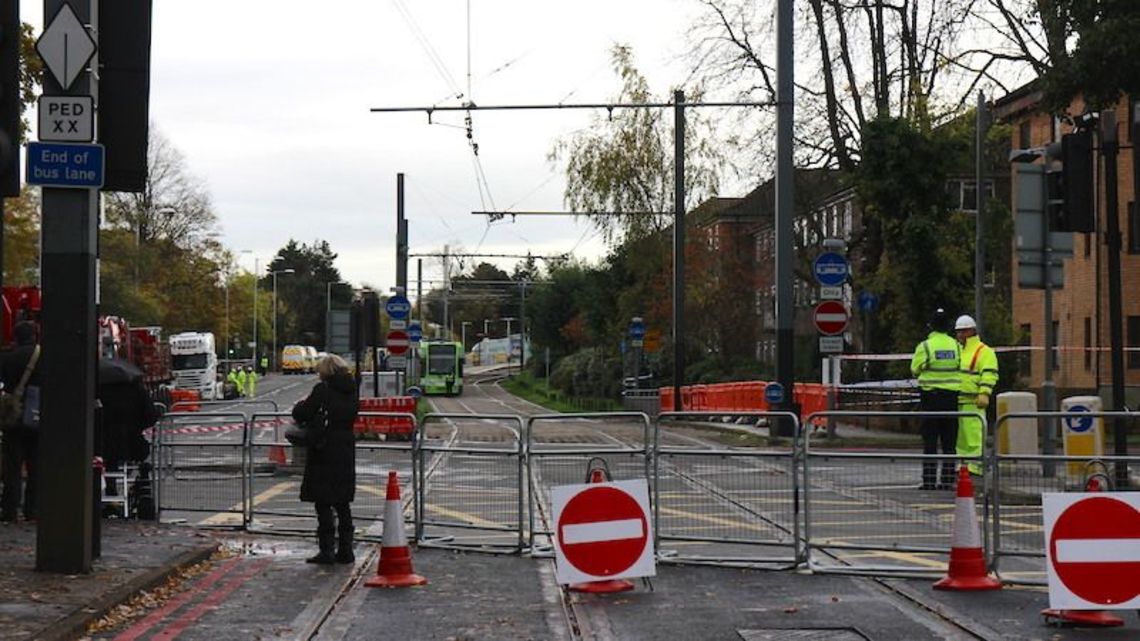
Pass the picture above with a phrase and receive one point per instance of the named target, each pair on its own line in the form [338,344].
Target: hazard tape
[211,429]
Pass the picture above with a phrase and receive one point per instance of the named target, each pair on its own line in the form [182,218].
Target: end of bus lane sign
[64,165]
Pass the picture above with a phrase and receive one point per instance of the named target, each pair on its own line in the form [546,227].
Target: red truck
[20,304]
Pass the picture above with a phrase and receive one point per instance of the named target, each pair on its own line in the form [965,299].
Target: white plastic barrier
[1082,435]
[1017,436]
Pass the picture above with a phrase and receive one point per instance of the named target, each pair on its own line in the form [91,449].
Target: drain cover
[802,634]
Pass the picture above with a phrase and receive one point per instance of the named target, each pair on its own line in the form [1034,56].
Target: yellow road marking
[898,556]
[714,519]
[235,519]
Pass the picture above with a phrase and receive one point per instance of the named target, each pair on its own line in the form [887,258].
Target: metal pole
[980,206]
[273,358]
[678,247]
[522,330]
[1110,148]
[1048,389]
[226,330]
[401,236]
[420,289]
[785,186]
[446,291]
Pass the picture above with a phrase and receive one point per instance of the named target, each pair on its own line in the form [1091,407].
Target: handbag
[12,404]
[311,433]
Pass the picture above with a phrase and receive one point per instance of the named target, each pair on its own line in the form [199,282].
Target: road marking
[149,621]
[897,556]
[713,519]
[227,518]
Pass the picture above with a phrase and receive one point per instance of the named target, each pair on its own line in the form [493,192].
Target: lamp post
[280,271]
[328,310]
[463,333]
[508,320]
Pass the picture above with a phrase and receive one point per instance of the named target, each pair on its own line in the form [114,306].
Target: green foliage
[22,238]
[1104,62]
[304,294]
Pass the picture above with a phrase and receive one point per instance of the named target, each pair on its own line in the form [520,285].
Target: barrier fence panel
[470,487]
[865,512]
[558,452]
[200,463]
[724,505]
[1020,480]
[219,406]
[277,469]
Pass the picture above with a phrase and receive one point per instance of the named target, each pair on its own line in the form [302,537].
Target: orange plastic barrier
[386,424]
[666,396]
[185,400]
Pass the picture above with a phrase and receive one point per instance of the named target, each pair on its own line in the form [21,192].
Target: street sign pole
[67,368]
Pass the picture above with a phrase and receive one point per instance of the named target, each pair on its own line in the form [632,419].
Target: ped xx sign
[1092,544]
[602,531]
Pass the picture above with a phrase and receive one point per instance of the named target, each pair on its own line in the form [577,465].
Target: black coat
[127,412]
[330,472]
[13,366]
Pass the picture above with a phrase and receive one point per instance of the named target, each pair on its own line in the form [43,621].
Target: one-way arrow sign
[65,47]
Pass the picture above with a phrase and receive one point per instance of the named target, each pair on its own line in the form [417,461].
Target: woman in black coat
[330,471]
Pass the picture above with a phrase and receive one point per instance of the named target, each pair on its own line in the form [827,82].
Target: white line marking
[1098,551]
[602,531]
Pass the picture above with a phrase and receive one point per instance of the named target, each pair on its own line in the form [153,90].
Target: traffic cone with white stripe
[395,567]
[598,475]
[1096,482]
[967,570]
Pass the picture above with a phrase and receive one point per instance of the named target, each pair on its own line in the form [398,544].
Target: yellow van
[310,359]
[293,360]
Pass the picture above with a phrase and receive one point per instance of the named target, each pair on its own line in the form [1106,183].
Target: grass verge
[526,387]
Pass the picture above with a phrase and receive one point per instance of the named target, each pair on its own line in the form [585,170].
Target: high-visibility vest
[936,362]
[979,369]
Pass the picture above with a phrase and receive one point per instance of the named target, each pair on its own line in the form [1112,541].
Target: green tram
[441,364]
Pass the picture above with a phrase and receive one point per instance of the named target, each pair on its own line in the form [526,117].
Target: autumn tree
[305,293]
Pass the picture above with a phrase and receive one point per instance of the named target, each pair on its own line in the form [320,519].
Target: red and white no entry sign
[1093,548]
[603,531]
[830,317]
[397,342]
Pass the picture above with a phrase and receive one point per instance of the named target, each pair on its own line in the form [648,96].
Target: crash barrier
[469,482]
[1019,481]
[185,400]
[725,505]
[201,464]
[277,469]
[748,397]
[369,422]
[645,401]
[559,453]
[864,512]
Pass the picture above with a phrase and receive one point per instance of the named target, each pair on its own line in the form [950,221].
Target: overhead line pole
[785,190]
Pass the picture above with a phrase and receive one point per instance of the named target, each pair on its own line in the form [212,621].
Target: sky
[269,102]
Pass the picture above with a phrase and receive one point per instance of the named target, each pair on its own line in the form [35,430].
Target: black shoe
[345,556]
[323,558]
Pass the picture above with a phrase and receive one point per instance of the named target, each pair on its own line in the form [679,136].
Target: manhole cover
[802,634]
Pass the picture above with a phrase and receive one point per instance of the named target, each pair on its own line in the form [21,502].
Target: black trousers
[936,431]
[329,526]
[20,449]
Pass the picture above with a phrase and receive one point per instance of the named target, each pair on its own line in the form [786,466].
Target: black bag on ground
[311,433]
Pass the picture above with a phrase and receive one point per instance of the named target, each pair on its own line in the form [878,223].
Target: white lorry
[195,364]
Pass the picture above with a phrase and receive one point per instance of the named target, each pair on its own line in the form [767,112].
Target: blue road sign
[830,269]
[415,333]
[637,330]
[774,393]
[414,392]
[398,307]
[65,165]
[1079,424]
[868,301]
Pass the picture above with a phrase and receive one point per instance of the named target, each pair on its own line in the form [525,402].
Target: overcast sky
[269,101]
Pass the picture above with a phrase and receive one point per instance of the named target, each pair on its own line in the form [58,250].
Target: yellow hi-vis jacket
[936,362]
[979,370]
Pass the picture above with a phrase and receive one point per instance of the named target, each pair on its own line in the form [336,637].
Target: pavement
[136,556]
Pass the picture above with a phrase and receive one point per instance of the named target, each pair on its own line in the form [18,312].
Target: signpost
[65,165]
[398,308]
[603,531]
[774,394]
[830,269]
[1092,544]
[830,318]
[65,47]
[67,118]
[415,333]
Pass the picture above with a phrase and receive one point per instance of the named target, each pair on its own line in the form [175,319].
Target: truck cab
[195,363]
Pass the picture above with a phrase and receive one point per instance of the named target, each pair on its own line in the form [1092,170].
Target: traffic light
[10,99]
[1070,187]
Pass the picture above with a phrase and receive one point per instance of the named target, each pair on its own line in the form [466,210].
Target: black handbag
[311,433]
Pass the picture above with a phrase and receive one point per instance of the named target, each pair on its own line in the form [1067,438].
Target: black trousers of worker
[19,451]
[334,533]
[941,430]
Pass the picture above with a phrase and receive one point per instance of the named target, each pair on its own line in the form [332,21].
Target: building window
[1133,229]
[1026,357]
[1134,342]
[1024,136]
[1088,344]
[964,194]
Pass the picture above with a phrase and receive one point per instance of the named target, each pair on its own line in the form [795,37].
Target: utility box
[1017,436]
[1082,435]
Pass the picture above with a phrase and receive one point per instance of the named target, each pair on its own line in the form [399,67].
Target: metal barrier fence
[733,505]
[559,457]
[869,505]
[230,403]
[647,401]
[470,494]
[202,474]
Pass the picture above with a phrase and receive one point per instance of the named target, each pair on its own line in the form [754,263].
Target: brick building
[1080,307]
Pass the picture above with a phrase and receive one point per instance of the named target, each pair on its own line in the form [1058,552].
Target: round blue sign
[415,333]
[637,331]
[830,269]
[1079,424]
[414,392]
[774,393]
[398,307]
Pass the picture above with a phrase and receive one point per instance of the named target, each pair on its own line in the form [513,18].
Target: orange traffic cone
[277,454]
[1097,482]
[598,475]
[967,570]
[395,567]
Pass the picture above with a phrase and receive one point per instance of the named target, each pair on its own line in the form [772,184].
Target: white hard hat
[965,321]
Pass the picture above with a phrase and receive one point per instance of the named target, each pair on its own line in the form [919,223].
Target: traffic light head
[10,105]
[1070,188]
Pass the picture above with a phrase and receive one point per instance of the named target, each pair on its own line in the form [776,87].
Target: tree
[22,238]
[302,293]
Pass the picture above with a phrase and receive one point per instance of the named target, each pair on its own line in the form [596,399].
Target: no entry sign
[1092,542]
[602,532]
[397,342]
[830,317]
